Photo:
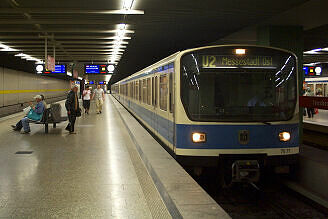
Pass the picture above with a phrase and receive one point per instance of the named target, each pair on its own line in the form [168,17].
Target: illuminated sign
[214,61]
[59,69]
[92,69]
[312,71]
[98,69]
[306,71]
[102,82]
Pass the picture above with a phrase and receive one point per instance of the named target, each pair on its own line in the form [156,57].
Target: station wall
[17,88]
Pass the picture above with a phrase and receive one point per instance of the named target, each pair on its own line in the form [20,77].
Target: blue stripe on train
[226,136]
[218,136]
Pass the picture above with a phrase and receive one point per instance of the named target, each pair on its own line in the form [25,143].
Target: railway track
[269,199]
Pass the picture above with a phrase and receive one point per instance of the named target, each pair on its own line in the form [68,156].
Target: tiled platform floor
[87,175]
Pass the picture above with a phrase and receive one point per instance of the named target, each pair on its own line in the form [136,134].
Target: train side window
[152,91]
[140,89]
[171,93]
[137,90]
[163,92]
[144,91]
[148,91]
[156,90]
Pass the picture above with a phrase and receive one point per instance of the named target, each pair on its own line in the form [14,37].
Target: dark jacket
[70,102]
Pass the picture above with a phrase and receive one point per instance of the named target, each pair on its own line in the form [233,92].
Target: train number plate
[285,151]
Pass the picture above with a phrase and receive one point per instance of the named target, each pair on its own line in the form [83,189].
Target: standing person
[310,111]
[73,109]
[100,98]
[86,99]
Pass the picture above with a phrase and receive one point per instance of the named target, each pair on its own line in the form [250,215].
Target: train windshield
[249,84]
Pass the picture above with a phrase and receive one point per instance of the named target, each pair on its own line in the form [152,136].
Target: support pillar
[289,38]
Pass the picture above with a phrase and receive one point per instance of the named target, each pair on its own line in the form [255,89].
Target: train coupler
[245,171]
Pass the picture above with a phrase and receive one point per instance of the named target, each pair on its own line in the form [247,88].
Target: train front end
[238,109]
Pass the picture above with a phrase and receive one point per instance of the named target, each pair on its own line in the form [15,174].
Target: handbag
[34,116]
[27,110]
[78,112]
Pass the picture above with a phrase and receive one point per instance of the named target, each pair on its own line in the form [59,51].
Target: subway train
[233,108]
[17,88]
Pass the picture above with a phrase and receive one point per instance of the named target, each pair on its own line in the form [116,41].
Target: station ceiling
[84,30]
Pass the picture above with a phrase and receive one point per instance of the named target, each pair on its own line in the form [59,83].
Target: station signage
[102,82]
[312,70]
[314,102]
[219,61]
[59,69]
[99,69]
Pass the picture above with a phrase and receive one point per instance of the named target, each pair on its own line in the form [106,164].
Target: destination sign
[99,69]
[59,69]
[215,61]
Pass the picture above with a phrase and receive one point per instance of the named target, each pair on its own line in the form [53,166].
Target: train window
[148,92]
[163,92]
[152,91]
[140,89]
[171,93]
[137,90]
[144,90]
[156,90]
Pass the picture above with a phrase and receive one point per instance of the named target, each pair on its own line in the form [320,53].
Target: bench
[49,117]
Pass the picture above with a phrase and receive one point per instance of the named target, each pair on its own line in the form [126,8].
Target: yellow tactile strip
[30,91]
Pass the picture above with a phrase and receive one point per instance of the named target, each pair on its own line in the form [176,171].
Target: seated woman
[35,114]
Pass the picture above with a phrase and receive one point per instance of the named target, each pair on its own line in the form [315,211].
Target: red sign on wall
[314,102]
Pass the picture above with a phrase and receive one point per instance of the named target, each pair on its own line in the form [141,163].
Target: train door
[156,110]
[163,128]
[171,121]
[152,102]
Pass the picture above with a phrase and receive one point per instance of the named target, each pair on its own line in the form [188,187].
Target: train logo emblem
[243,136]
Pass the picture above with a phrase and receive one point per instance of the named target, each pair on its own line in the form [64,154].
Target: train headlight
[198,137]
[284,136]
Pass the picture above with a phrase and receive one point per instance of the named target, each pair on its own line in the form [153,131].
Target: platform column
[290,38]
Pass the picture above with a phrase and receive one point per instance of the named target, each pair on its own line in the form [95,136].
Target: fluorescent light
[316,50]
[6,48]
[121,26]
[20,54]
[127,4]
[80,78]
[69,74]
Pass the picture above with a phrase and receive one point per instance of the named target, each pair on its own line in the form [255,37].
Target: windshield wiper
[266,123]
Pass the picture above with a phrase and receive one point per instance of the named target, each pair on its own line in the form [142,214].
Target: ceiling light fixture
[127,4]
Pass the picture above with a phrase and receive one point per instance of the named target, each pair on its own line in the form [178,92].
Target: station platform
[315,130]
[320,119]
[112,168]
